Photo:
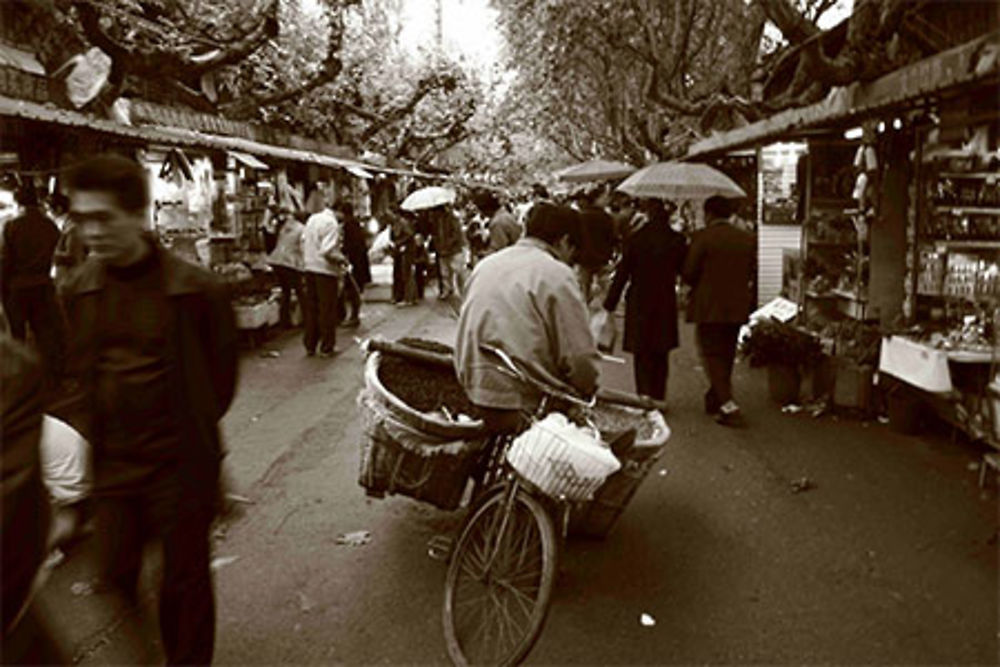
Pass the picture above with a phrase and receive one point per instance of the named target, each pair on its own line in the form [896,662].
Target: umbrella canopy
[680,180]
[594,170]
[428,197]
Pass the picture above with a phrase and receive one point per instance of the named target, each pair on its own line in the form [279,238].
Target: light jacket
[321,244]
[503,229]
[288,248]
[528,303]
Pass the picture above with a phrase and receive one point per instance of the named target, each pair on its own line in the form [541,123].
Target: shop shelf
[969,174]
[963,243]
[986,210]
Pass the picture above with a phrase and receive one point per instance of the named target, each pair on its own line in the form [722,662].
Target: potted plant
[856,346]
[786,351]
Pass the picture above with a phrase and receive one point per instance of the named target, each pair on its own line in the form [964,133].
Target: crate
[853,385]
[596,518]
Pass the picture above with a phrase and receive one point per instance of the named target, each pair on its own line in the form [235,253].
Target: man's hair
[718,207]
[119,176]
[550,222]
[486,202]
[27,195]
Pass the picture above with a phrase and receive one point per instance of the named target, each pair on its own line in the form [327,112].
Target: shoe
[329,354]
[310,353]
[732,418]
[352,323]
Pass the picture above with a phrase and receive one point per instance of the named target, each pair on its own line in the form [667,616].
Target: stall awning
[972,62]
[248,160]
[172,136]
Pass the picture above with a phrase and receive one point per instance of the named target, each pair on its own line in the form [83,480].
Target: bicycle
[503,565]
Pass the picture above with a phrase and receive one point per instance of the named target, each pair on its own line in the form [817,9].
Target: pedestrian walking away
[355,248]
[719,269]
[153,354]
[29,297]
[286,262]
[324,266]
[449,241]
[502,228]
[650,266]
[598,241]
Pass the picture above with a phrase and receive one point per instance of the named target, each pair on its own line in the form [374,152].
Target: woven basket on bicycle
[413,453]
[596,517]
[560,465]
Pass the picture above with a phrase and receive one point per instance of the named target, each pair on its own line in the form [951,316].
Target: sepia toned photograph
[500,332]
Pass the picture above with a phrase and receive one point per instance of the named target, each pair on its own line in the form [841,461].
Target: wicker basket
[595,519]
[557,466]
[397,459]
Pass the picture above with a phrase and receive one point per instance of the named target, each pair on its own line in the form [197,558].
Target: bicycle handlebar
[511,367]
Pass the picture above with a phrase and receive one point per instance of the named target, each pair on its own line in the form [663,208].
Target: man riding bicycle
[525,300]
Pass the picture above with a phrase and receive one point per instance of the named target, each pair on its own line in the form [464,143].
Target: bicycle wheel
[499,581]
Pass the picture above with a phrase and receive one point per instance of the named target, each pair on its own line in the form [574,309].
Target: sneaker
[730,415]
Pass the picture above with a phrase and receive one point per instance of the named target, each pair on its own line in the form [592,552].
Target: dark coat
[650,264]
[356,251]
[597,230]
[719,268]
[202,356]
[25,502]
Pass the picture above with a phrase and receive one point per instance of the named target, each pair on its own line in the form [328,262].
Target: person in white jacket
[324,265]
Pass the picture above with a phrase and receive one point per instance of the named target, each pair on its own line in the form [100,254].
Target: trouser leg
[353,296]
[651,370]
[187,601]
[310,312]
[16,317]
[282,274]
[398,277]
[327,288]
[119,544]
[718,350]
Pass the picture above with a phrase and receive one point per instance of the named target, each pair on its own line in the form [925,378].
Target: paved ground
[890,559]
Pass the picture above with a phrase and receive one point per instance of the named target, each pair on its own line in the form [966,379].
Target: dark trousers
[651,370]
[320,312]
[290,281]
[350,298]
[403,285]
[717,344]
[37,307]
[187,602]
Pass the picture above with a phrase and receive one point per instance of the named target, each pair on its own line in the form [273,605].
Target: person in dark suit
[651,262]
[719,269]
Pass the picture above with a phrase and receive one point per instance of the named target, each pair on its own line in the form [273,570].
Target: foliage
[772,342]
[641,79]
[332,69]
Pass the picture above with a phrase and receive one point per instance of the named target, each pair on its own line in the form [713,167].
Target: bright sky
[469,28]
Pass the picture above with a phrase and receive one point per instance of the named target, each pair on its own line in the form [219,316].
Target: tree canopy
[332,69]
[641,79]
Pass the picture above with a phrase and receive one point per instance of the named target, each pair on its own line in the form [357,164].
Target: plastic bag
[602,325]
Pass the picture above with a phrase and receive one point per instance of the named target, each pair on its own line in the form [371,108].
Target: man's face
[111,233]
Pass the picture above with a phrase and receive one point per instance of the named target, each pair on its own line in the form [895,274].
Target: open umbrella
[428,197]
[594,170]
[680,180]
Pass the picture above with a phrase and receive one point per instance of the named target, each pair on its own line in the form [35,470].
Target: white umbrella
[428,197]
[595,170]
[680,180]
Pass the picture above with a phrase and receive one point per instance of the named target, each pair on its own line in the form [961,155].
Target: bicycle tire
[529,526]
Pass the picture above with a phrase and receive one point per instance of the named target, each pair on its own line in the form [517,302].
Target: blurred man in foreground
[153,348]
[526,301]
